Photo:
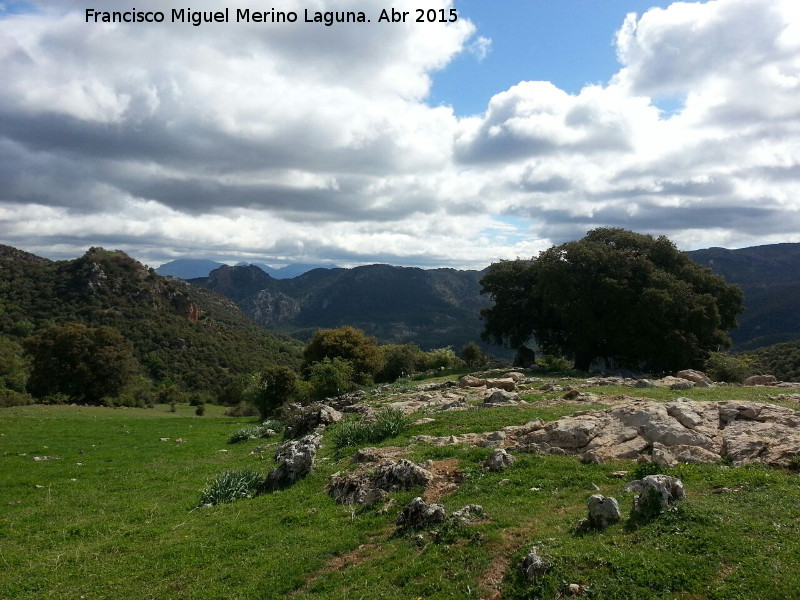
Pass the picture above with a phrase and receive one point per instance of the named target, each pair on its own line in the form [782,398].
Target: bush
[554,364]
[473,356]
[442,358]
[200,410]
[389,423]
[347,344]
[243,409]
[727,367]
[277,385]
[400,360]
[254,432]
[231,485]
[330,378]
[12,398]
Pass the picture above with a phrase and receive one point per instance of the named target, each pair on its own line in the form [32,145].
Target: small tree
[472,355]
[399,360]
[346,343]
[85,363]
[277,385]
[330,378]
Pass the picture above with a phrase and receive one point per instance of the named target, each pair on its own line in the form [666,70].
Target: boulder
[418,514]
[468,381]
[643,383]
[499,460]
[368,488]
[508,385]
[761,380]
[469,514]
[534,565]
[603,511]
[515,375]
[693,376]
[501,397]
[401,475]
[329,415]
[655,492]
[295,461]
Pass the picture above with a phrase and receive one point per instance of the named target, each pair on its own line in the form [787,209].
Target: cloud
[300,142]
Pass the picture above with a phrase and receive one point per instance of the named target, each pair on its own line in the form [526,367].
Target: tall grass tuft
[231,485]
[254,432]
[389,423]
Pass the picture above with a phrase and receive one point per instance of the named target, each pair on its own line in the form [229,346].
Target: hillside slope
[432,308]
[181,333]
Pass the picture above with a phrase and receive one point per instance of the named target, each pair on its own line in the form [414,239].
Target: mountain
[181,333]
[770,279]
[432,308]
[287,272]
[188,268]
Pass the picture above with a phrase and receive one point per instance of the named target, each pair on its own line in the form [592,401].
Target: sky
[520,125]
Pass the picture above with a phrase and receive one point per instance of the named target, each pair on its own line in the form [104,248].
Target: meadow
[110,511]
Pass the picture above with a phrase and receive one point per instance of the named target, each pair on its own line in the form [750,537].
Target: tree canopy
[346,343]
[628,298]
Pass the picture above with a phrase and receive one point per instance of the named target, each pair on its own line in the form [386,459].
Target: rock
[643,383]
[402,475]
[329,415]
[501,397]
[761,380]
[367,454]
[469,381]
[418,514]
[655,492]
[534,565]
[423,421]
[296,459]
[515,375]
[469,514]
[603,511]
[693,376]
[354,489]
[508,385]
[669,381]
[682,385]
[499,460]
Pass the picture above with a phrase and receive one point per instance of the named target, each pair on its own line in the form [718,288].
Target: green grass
[124,523]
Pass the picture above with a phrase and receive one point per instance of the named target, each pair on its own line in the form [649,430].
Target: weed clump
[231,485]
[265,429]
[389,423]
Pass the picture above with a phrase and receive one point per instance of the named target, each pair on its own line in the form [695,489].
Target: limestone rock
[603,511]
[329,415]
[761,380]
[418,514]
[469,381]
[401,475]
[295,461]
[508,385]
[515,375]
[469,514]
[501,397]
[655,492]
[693,376]
[499,460]
[534,565]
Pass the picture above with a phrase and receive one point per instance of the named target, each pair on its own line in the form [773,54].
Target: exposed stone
[469,514]
[603,511]
[499,460]
[501,397]
[295,461]
[669,381]
[693,376]
[534,565]
[655,492]
[401,475]
[643,383]
[515,375]
[469,381]
[418,514]
[761,380]
[329,415]
[508,385]
[682,385]
[367,488]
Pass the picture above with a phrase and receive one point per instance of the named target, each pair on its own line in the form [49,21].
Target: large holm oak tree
[629,299]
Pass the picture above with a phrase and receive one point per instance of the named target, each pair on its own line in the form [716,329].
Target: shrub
[200,410]
[473,356]
[231,485]
[243,409]
[731,368]
[255,432]
[277,385]
[330,378]
[347,344]
[12,398]
[442,358]
[400,360]
[553,364]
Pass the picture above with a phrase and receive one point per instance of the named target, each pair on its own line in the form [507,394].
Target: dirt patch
[446,479]
[490,581]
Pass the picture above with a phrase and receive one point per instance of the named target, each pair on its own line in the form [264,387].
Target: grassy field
[112,514]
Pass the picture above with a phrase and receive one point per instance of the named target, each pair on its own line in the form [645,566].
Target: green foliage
[330,378]
[618,295]
[13,398]
[276,386]
[230,485]
[442,358]
[473,355]
[180,333]
[553,364]
[348,344]
[86,363]
[400,360]
[388,423]
[13,366]
[254,432]
[733,368]
[781,360]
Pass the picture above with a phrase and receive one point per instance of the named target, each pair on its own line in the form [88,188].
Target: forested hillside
[181,333]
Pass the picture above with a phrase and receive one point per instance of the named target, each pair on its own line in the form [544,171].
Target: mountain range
[440,307]
[191,268]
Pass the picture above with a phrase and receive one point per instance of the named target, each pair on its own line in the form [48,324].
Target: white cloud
[304,142]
